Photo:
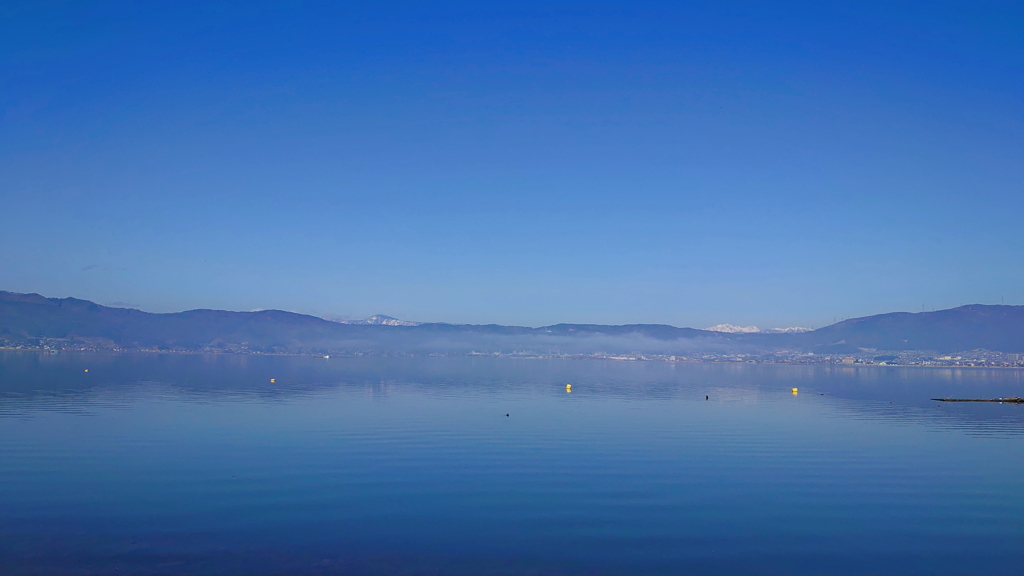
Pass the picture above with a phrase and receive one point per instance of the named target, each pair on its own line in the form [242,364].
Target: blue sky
[685,163]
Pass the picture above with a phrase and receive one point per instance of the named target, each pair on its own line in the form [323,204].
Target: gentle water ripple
[164,464]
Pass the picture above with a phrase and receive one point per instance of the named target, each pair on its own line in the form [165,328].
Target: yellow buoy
[272,380]
[86,369]
[794,391]
[568,388]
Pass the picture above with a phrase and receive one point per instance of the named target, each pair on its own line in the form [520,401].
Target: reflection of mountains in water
[33,382]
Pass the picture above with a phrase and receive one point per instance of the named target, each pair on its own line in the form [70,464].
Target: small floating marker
[272,380]
[86,369]
[568,388]
[795,390]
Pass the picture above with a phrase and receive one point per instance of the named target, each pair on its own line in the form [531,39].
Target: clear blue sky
[685,163]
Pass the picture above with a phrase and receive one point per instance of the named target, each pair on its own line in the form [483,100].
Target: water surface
[169,464]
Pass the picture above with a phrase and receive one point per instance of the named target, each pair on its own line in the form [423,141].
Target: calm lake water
[190,464]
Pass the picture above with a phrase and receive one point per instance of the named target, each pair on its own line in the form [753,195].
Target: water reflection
[80,382]
[204,465]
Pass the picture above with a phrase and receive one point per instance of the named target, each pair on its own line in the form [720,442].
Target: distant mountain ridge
[992,327]
[730,329]
[381,320]
[29,317]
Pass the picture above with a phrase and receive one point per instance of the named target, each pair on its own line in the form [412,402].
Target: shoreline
[340,355]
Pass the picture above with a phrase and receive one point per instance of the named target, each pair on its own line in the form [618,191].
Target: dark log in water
[1013,400]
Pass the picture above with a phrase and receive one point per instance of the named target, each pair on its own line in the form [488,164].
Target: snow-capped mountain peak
[382,320]
[730,329]
[790,330]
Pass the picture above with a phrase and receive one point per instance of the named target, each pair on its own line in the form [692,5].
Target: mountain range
[730,329]
[381,320]
[27,318]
